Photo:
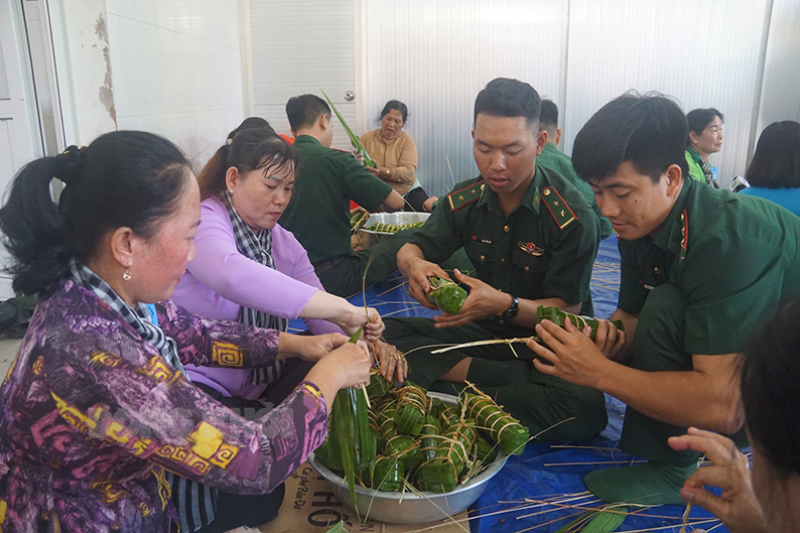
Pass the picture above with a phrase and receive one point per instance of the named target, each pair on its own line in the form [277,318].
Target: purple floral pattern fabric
[92,417]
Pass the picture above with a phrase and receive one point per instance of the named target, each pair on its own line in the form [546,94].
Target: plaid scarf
[258,247]
[138,317]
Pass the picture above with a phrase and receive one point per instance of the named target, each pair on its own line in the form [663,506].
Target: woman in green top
[704,139]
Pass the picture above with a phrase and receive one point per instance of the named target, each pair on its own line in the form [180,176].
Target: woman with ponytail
[250,269]
[96,413]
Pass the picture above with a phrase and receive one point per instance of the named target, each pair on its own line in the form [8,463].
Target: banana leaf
[354,140]
[404,449]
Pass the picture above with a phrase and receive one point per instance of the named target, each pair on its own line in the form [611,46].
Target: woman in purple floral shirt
[96,413]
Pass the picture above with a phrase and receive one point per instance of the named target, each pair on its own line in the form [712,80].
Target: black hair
[505,97]
[398,105]
[251,123]
[304,110]
[776,163]
[122,179]
[770,369]
[648,131]
[699,119]
[548,116]
[246,149]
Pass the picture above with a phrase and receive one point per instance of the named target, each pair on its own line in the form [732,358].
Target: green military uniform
[544,249]
[553,159]
[318,216]
[721,264]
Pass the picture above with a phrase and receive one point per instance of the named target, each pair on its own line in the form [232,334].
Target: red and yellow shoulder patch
[465,196]
[561,212]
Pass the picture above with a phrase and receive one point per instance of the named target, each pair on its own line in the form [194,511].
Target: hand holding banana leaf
[354,140]
[571,352]
[483,301]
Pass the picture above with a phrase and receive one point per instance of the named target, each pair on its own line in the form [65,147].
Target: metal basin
[395,219]
[394,508]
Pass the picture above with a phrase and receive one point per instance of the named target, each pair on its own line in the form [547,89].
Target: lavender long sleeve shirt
[220,280]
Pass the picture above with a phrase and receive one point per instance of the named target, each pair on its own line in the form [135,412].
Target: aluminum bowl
[395,219]
[394,508]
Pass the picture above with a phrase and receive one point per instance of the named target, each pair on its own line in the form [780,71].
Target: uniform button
[657,270]
[527,269]
[503,260]
[506,229]
[483,258]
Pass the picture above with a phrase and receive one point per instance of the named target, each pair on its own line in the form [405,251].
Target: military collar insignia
[561,212]
[465,196]
[684,233]
[530,248]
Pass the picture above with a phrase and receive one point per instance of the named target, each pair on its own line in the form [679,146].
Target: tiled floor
[8,350]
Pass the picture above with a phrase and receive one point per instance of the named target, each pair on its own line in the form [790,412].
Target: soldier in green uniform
[318,214]
[701,268]
[560,162]
[533,240]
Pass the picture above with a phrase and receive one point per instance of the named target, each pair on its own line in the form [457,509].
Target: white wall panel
[705,54]
[437,56]
[177,70]
[780,94]
[299,47]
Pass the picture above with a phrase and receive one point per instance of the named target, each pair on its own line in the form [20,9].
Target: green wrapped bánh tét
[441,473]
[557,316]
[412,404]
[500,426]
[429,440]
[388,475]
[485,452]
[446,294]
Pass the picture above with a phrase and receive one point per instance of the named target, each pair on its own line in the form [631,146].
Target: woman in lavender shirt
[248,268]
[96,414]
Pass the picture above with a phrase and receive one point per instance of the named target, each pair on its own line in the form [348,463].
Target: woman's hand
[371,322]
[381,172]
[737,507]
[391,361]
[346,366]
[309,347]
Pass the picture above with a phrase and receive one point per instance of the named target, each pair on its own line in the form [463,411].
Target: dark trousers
[560,411]
[379,262]
[414,200]
[659,346]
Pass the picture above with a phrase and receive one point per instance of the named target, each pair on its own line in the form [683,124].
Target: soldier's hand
[571,353]
[609,339]
[418,285]
[483,300]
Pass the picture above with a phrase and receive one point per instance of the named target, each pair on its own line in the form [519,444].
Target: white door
[301,47]
[19,140]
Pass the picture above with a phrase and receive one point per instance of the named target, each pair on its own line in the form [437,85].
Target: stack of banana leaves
[405,436]
[559,317]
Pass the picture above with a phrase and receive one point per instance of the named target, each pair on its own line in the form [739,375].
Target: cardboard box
[310,507]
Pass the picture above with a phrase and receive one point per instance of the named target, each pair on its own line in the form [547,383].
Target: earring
[230,191]
[127,274]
